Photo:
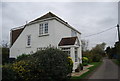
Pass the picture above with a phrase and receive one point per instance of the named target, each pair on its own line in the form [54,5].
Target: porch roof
[67,41]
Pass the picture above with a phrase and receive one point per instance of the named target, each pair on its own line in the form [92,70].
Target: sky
[87,17]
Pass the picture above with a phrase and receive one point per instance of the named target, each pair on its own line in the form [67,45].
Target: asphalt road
[108,70]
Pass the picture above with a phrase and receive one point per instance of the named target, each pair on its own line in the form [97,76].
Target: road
[108,70]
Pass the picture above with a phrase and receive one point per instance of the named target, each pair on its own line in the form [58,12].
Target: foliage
[117,47]
[96,53]
[22,57]
[51,64]
[85,61]
[7,73]
[114,52]
[5,55]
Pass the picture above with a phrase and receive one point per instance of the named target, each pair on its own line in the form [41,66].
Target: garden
[50,64]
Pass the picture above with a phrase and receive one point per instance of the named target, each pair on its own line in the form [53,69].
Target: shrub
[7,73]
[5,55]
[96,58]
[54,64]
[22,57]
[51,64]
[85,61]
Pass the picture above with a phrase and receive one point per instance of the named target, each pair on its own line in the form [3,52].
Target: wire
[100,32]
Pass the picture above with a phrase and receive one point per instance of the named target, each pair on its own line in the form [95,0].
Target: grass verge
[96,64]
[116,62]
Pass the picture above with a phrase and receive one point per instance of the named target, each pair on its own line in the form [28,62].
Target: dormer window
[43,29]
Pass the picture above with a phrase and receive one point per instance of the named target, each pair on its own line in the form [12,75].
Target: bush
[85,61]
[7,73]
[96,58]
[5,55]
[50,64]
[54,64]
[22,57]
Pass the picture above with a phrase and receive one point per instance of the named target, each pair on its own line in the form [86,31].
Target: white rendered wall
[56,31]
[20,45]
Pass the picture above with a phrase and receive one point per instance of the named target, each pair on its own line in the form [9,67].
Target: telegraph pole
[118,32]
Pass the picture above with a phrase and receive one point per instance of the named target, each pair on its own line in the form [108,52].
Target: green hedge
[50,64]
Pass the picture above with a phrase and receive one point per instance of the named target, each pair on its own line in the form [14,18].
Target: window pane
[46,27]
[28,40]
[66,50]
[76,55]
[41,29]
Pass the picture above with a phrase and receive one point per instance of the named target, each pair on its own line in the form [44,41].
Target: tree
[117,47]
[99,49]
[5,52]
[84,45]
[96,53]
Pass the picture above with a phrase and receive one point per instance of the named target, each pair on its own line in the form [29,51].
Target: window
[76,55]
[73,33]
[66,50]
[43,28]
[28,40]
[46,27]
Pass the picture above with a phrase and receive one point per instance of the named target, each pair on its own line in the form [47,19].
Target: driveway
[108,70]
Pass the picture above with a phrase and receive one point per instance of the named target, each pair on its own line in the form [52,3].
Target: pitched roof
[48,15]
[15,34]
[51,15]
[67,41]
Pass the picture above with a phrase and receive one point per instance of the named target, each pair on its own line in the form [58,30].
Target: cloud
[87,17]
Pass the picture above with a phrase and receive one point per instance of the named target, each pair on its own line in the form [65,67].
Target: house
[48,30]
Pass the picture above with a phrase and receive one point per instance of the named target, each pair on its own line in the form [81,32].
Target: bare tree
[84,45]
[5,44]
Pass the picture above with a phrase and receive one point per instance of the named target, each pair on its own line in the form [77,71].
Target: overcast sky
[88,17]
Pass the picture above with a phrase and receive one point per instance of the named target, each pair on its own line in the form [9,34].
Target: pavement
[108,70]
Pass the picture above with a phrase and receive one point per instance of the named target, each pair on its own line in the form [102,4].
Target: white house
[48,30]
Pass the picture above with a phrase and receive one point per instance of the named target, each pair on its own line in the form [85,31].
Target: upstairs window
[28,40]
[46,27]
[43,28]
[73,33]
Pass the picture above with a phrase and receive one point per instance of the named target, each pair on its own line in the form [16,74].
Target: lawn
[91,69]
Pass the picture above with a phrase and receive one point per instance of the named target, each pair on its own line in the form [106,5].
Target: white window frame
[43,28]
[66,50]
[28,40]
[76,54]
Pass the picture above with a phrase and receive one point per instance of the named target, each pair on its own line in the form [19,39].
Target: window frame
[76,54]
[43,28]
[66,50]
[28,40]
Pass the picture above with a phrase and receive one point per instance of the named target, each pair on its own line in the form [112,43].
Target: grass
[116,62]
[91,69]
